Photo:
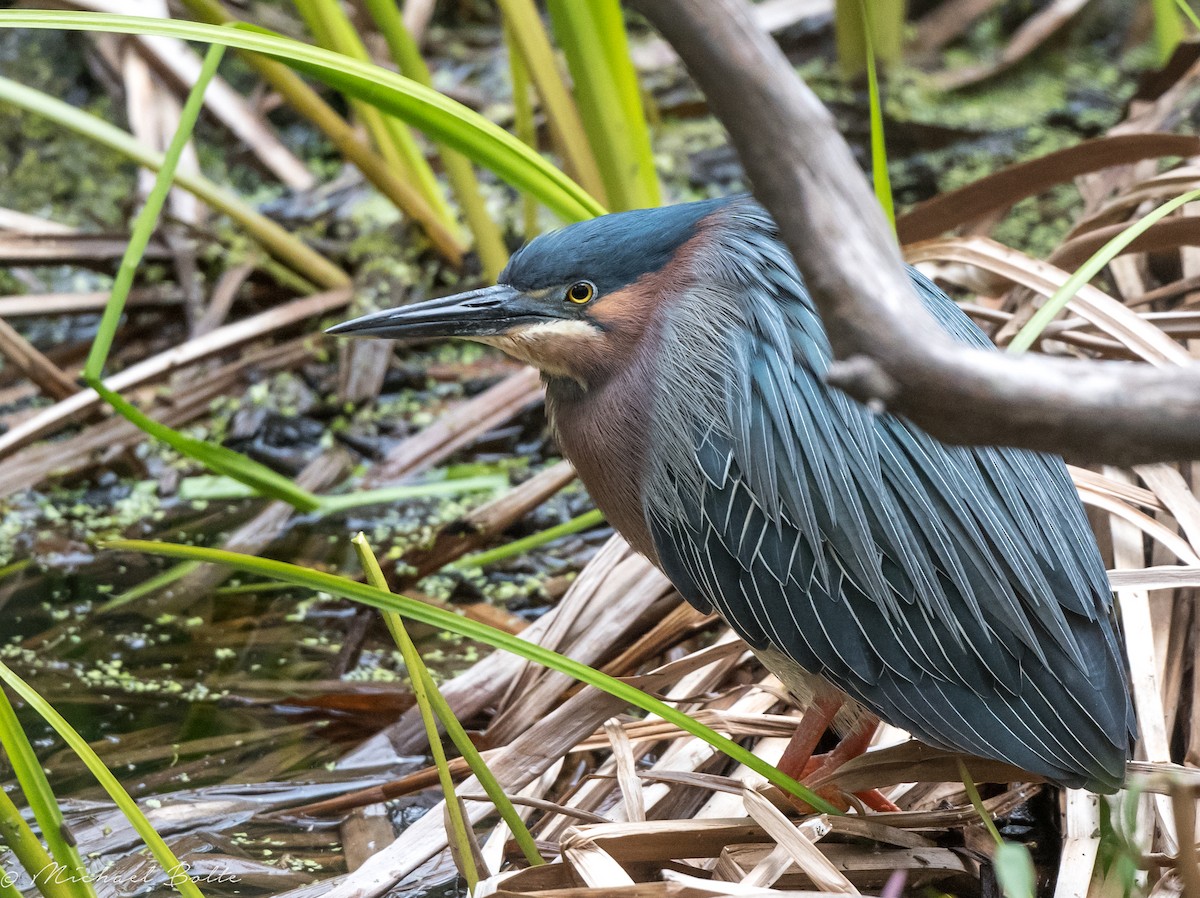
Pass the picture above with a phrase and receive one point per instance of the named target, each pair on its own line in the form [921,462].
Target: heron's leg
[799,751]
[855,743]
[798,761]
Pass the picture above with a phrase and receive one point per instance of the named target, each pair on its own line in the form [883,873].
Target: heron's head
[575,302]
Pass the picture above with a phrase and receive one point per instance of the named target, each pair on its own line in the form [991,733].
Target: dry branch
[102,443]
[37,304]
[157,366]
[49,378]
[1035,31]
[999,190]
[891,351]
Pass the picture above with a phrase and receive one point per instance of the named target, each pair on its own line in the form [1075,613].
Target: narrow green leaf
[1187,11]
[208,487]
[176,872]
[333,30]
[146,587]
[14,567]
[346,139]
[489,241]
[1033,328]
[886,33]
[419,677]
[257,476]
[566,127]
[431,698]
[21,840]
[257,586]
[1168,29]
[445,620]
[490,483]
[879,164]
[593,38]
[1013,865]
[523,121]
[66,876]
[147,218]
[491,786]
[577,524]
[438,116]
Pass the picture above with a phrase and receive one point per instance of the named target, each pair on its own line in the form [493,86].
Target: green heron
[955,592]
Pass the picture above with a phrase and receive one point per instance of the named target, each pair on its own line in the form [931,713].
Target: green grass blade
[216,488]
[419,677]
[1013,865]
[14,567]
[332,30]
[879,164]
[277,241]
[431,698]
[438,116]
[257,476]
[29,852]
[1187,11]
[445,620]
[977,802]
[577,524]
[227,488]
[338,34]
[146,587]
[489,241]
[1168,29]
[491,786]
[1015,873]
[561,112]
[490,483]
[1033,328]
[523,122]
[147,218]
[308,103]
[886,35]
[66,876]
[593,38]
[176,871]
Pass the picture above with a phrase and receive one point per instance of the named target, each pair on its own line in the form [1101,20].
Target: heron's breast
[605,433]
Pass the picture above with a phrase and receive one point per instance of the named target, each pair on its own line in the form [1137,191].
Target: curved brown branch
[892,351]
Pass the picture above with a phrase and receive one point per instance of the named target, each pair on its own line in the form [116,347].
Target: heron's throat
[558,348]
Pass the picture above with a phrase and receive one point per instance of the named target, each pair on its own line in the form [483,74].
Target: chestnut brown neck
[605,432]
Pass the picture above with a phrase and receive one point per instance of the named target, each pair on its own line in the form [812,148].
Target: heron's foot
[872,799]
[818,766]
[799,762]
[877,801]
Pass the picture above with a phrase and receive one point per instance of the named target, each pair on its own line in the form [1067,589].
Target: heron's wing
[957,592]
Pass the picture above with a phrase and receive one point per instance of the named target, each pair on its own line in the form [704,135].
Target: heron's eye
[581,292]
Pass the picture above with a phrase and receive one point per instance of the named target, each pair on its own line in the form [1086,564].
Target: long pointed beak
[479,313]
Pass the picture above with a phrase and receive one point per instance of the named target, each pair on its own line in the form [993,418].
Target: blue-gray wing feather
[955,591]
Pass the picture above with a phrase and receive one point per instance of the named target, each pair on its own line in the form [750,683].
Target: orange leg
[798,761]
[814,723]
[857,741]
